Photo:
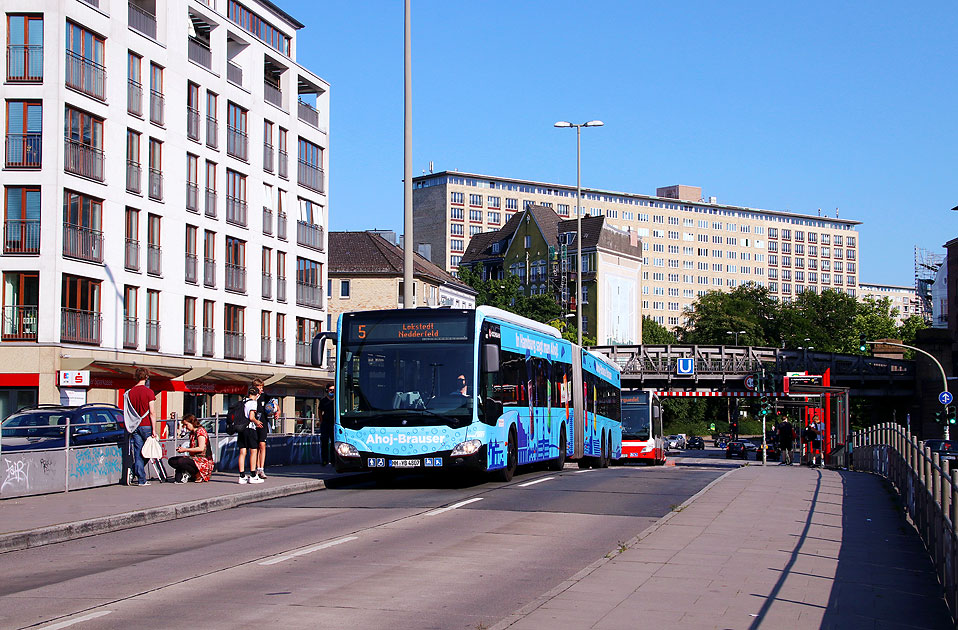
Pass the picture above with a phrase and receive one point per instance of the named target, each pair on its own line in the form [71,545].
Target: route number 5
[362,331]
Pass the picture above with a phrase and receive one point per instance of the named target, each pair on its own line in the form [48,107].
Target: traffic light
[862,344]
[950,414]
[764,407]
[938,415]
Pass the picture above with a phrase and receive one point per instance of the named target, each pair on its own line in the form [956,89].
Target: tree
[876,319]
[827,320]
[748,307]
[655,333]
[908,330]
[505,294]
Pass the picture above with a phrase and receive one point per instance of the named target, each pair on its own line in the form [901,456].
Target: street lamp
[578,214]
[736,333]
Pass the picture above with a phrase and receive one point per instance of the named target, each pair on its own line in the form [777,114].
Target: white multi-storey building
[164,199]
[905,299]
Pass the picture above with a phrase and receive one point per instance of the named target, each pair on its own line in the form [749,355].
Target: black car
[946,449]
[44,427]
[774,453]
[736,450]
[696,442]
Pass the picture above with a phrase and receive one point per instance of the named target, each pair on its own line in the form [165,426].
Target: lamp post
[736,333]
[578,215]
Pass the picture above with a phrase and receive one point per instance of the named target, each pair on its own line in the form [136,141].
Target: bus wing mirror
[490,357]
[318,349]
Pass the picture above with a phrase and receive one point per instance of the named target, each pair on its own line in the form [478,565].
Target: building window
[157,104]
[475,200]
[235,265]
[311,174]
[344,288]
[152,319]
[84,62]
[309,283]
[24,48]
[83,137]
[24,135]
[456,213]
[237,141]
[234,327]
[21,220]
[80,303]
[82,234]
[236,210]
[457,198]
[259,27]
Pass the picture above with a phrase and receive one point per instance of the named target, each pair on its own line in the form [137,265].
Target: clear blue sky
[762,104]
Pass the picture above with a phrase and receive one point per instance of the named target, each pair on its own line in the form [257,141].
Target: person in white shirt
[246,440]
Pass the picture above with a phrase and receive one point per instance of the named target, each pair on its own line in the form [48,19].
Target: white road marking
[67,624]
[584,470]
[532,483]
[303,552]
[453,506]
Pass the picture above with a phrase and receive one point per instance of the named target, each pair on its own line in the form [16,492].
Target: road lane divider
[535,481]
[453,506]
[584,470]
[306,550]
[72,622]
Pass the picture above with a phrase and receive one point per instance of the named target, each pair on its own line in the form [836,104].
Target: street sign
[945,398]
[750,382]
[685,367]
[712,427]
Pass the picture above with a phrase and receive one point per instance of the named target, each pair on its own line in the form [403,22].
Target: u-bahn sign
[750,382]
[685,367]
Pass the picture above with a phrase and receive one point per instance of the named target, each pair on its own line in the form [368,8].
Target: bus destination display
[431,330]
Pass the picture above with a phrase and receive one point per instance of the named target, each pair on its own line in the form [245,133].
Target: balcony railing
[82,243]
[131,258]
[281,351]
[308,114]
[24,63]
[80,326]
[283,164]
[142,20]
[193,123]
[152,335]
[209,272]
[210,203]
[189,340]
[131,332]
[21,236]
[83,159]
[189,271]
[208,341]
[236,211]
[273,94]
[268,158]
[281,226]
[23,150]
[234,74]
[212,132]
[267,286]
[281,288]
[234,345]
[309,295]
[267,221]
[303,353]
[157,106]
[192,197]
[133,176]
[85,75]
[156,184]
[235,278]
[199,52]
[311,176]
[309,235]
[154,260]
[265,345]
[237,143]
[20,323]
[134,97]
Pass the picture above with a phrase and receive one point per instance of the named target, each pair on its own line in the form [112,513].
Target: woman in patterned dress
[197,463]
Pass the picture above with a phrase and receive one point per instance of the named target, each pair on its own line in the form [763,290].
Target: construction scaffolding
[927,264]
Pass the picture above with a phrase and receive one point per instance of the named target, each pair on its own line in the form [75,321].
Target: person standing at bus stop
[327,411]
[263,428]
[786,437]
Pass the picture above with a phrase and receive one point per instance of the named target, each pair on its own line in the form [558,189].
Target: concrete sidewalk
[776,547]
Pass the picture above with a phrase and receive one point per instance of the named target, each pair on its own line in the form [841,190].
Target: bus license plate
[404,463]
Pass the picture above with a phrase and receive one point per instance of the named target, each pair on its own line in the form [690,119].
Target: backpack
[236,420]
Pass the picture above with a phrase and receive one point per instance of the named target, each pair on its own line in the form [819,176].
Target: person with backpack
[262,429]
[196,462]
[142,402]
[246,439]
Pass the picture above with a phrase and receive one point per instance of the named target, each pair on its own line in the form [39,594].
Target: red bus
[642,439]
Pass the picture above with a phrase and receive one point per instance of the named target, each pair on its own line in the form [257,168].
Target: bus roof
[498,313]
[605,361]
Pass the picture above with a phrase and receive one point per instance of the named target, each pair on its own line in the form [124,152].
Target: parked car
[946,449]
[736,450]
[696,443]
[44,427]
[774,453]
[676,441]
[752,446]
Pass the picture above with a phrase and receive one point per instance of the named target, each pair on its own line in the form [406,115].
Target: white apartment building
[165,201]
[690,245]
[905,299]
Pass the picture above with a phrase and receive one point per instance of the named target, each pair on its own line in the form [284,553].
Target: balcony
[267,221]
[134,98]
[281,351]
[83,159]
[311,176]
[156,184]
[268,158]
[193,124]
[304,353]
[265,345]
[209,273]
[20,323]
[234,346]
[152,335]
[133,177]
[236,211]
[273,94]
[281,288]
[157,106]
[189,340]
[281,226]
[189,271]
[309,235]
[235,278]
[24,64]
[234,74]
[154,260]
[308,114]
[192,197]
[199,52]
[131,257]
[237,143]
[86,76]
[310,295]
[78,326]
[23,150]
[82,243]
[208,341]
[212,132]
[142,20]
[21,236]
[267,286]
[131,332]
[283,164]
[210,208]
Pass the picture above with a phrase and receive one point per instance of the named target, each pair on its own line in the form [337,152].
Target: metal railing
[237,143]
[283,164]
[24,63]
[281,288]
[23,150]
[234,345]
[212,132]
[311,176]
[281,351]
[134,97]
[199,52]
[308,114]
[20,323]
[154,260]
[267,221]
[133,176]
[82,243]
[193,123]
[131,257]
[157,106]
[83,159]
[80,326]
[209,341]
[303,350]
[192,197]
[309,235]
[268,158]
[189,340]
[234,74]
[267,286]
[281,226]
[235,278]
[85,75]
[142,20]
[273,94]
[309,295]
[236,211]
[21,236]
[210,207]
[152,335]
[209,273]
[265,345]
[156,184]
[131,332]
[189,269]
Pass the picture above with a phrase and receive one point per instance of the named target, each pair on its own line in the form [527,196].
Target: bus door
[577,399]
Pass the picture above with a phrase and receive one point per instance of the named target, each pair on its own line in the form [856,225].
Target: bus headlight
[469,447]
[345,450]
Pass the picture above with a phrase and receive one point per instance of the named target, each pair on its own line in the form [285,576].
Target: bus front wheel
[512,459]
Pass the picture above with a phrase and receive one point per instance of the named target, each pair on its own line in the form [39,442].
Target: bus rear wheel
[512,459]
[604,454]
[559,462]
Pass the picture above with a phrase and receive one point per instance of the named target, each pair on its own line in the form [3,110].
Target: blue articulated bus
[479,390]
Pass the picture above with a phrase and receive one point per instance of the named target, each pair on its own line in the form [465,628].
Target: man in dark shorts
[262,429]
[246,440]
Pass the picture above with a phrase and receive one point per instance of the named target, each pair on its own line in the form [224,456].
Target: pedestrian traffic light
[862,344]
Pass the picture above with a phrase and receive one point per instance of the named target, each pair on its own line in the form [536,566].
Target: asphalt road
[413,553]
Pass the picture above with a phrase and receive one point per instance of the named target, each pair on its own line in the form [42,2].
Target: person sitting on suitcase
[196,464]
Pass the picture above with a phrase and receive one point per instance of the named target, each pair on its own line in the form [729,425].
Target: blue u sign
[685,367]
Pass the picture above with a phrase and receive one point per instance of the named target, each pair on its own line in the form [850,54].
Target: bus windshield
[407,369]
[636,422]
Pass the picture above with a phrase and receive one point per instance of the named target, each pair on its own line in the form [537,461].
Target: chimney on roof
[836,213]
